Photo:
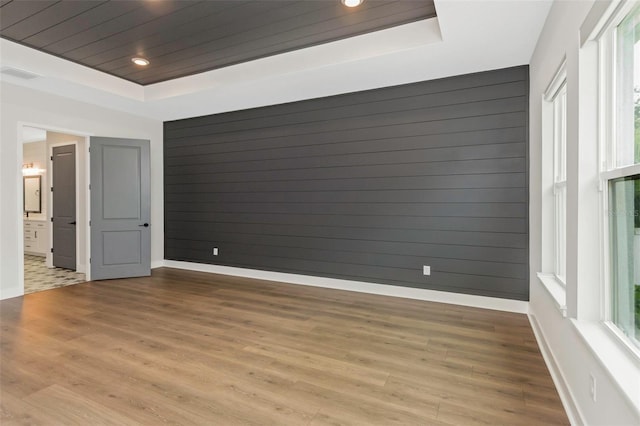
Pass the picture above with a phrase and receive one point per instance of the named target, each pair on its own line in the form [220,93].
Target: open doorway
[54,220]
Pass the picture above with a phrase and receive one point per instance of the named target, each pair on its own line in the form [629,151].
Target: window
[627,51]
[624,232]
[620,174]
[560,180]
[554,182]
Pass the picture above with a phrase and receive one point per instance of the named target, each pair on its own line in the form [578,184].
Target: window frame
[556,95]
[559,102]
[555,287]
[608,169]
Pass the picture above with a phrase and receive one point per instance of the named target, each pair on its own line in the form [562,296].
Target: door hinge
[52,189]
[89,187]
[89,223]
[52,158]
[89,260]
[51,218]
[51,249]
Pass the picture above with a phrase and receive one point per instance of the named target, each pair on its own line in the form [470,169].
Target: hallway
[37,277]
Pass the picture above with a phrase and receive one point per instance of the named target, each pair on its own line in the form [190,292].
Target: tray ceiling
[187,37]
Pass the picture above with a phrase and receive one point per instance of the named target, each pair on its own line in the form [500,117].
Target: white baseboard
[568,401]
[157,264]
[14,292]
[359,286]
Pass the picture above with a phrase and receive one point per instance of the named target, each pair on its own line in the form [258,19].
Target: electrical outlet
[592,387]
[215,251]
[426,270]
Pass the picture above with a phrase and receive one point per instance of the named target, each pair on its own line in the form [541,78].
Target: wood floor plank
[194,348]
[66,407]
[295,357]
[460,389]
[356,409]
[17,411]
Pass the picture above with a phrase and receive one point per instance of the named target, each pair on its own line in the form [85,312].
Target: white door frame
[20,222]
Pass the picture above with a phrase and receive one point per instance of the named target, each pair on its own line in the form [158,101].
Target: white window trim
[619,172]
[560,179]
[556,290]
[552,283]
[558,80]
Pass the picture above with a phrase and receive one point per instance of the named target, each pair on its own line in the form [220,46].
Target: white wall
[575,347]
[20,105]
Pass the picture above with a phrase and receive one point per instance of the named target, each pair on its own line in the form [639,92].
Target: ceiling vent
[18,73]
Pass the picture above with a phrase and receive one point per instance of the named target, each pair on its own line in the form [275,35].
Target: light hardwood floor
[193,348]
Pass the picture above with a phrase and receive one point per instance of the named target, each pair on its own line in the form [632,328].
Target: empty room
[320,212]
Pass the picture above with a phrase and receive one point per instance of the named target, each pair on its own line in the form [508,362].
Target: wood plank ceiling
[186,37]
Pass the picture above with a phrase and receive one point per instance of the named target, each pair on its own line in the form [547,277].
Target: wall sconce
[28,169]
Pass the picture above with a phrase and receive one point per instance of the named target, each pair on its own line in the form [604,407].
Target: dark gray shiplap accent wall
[366,186]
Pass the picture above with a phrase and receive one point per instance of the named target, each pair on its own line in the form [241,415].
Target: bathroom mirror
[32,190]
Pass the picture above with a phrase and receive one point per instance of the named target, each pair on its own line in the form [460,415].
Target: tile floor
[37,277]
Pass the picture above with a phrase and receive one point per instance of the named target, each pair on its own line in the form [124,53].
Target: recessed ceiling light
[140,61]
[352,3]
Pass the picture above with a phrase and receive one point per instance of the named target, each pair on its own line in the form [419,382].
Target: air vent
[18,73]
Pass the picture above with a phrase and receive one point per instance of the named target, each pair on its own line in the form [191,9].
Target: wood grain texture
[193,348]
[367,186]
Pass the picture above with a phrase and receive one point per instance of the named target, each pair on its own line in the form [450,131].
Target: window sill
[556,290]
[620,361]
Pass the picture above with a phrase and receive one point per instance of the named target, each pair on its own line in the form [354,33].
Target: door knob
[146,225]
[72,223]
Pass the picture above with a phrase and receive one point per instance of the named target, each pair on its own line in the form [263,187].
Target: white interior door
[120,208]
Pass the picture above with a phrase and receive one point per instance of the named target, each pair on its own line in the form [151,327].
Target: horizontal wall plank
[331,159]
[422,250]
[468,210]
[211,231]
[294,172]
[315,144]
[495,180]
[365,186]
[186,193]
[517,210]
[482,224]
